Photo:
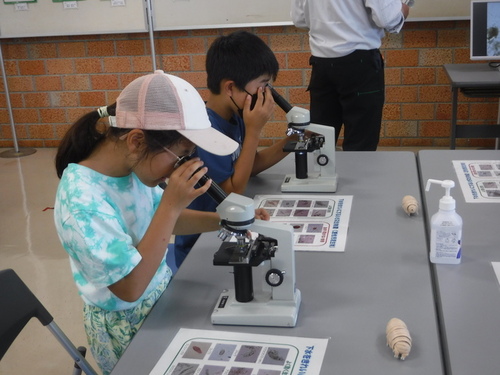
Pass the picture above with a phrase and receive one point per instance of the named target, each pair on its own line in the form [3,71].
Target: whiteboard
[436,10]
[205,14]
[46,18]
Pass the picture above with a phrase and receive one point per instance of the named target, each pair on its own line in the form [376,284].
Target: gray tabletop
[468,293]
[472,75]
[348,297]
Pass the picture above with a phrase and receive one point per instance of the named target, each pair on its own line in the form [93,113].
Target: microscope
[263,245]
[275,301]
[320,144]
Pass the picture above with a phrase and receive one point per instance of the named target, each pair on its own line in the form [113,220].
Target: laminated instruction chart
[479,180]
[320,222]
[200,352]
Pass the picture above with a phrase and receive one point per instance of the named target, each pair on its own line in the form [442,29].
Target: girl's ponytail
[82,138]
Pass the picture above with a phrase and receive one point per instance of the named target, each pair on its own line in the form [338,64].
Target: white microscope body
[321,144]
[276,302]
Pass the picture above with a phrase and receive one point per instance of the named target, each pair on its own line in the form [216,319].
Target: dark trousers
[349,91]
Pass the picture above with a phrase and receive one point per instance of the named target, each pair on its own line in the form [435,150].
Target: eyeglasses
[263,88]
[180,159]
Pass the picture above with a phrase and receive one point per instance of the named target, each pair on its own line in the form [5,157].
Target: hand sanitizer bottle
[446,228]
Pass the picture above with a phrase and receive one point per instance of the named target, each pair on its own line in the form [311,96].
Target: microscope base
[261,311]
[312,184]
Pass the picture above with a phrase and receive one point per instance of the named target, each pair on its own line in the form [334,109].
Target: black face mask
[240,110]
[254,99]
[252,104]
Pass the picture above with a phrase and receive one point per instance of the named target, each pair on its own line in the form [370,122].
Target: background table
[468,293]
[348,297]
[474,80]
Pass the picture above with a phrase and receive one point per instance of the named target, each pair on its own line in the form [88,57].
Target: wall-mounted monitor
[485,30]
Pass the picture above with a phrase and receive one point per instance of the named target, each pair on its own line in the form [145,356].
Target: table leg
[497,140]
[454,109]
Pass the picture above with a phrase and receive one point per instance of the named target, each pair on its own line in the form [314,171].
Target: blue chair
[17,306]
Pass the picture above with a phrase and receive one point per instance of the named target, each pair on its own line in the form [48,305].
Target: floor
[29,245]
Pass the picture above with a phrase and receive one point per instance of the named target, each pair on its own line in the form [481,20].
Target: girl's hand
[262,214]
[181,190]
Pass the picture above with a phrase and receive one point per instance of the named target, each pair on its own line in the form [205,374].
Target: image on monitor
[485,30]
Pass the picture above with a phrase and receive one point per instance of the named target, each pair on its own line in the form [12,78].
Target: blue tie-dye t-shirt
[100,220]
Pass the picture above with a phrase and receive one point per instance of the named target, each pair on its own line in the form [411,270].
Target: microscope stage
[312,184]
[261,311]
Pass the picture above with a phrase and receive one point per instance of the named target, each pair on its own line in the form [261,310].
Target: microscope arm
[284,258]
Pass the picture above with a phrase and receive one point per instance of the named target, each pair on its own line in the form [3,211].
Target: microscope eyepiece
[279,100]
[215,191]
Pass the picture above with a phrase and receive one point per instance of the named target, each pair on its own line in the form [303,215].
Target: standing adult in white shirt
[347,82]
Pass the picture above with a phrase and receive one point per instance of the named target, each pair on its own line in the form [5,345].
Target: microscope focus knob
[274,277]
[322,160]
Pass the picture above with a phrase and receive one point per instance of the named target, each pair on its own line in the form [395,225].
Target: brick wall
[53,80]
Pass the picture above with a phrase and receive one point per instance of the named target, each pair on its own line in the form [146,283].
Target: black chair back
[17,306]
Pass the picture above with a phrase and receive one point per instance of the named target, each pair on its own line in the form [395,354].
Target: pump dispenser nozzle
[446,202]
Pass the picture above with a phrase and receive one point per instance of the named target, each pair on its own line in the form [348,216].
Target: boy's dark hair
[241,57]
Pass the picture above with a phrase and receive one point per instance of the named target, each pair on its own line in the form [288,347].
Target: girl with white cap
[113,220]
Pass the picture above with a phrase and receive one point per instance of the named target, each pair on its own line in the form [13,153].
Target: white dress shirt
[339,27]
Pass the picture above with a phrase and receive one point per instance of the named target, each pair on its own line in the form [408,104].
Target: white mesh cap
[162,101]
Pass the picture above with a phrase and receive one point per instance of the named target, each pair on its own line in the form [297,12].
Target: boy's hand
[256,118]
[262,214]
